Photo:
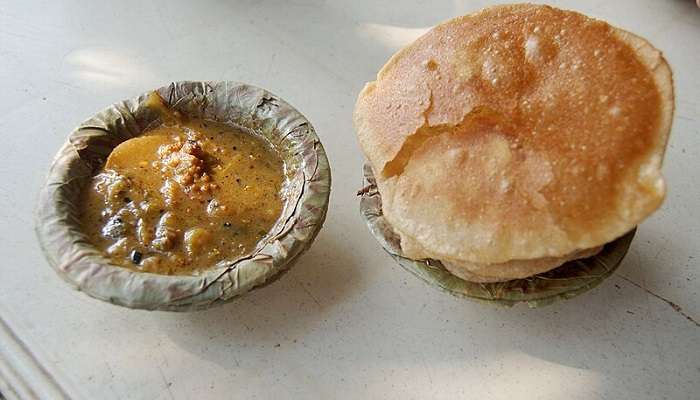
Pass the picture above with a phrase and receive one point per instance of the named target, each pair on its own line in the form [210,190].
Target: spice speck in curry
[183,196]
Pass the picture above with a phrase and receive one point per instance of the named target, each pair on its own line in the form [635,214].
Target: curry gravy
[183,196]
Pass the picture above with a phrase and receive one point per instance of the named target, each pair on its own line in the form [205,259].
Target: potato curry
[184,196]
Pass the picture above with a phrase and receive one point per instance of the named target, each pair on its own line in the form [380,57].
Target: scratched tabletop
[346,321]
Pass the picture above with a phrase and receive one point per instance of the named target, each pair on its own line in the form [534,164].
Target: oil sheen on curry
[184,196]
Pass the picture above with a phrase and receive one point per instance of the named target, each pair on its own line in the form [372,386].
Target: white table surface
[346,322]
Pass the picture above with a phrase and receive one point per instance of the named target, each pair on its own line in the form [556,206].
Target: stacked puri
[508,142]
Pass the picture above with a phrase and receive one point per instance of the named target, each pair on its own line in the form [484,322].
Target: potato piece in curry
[183,197]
